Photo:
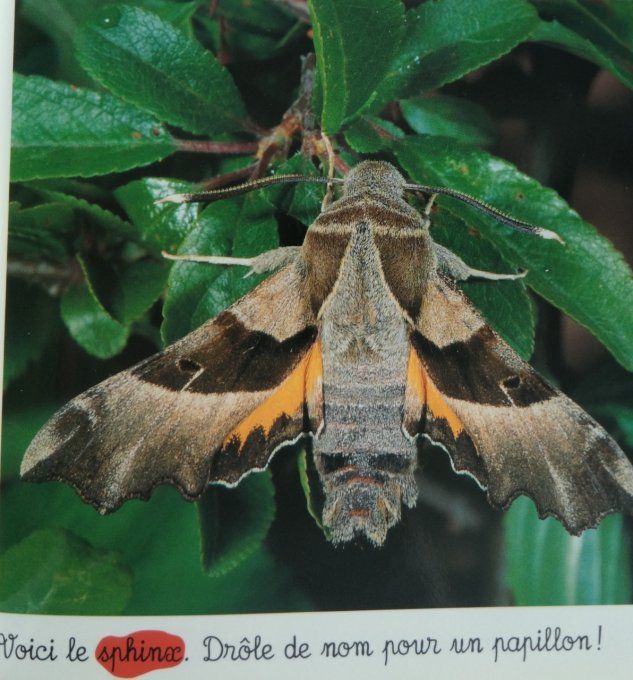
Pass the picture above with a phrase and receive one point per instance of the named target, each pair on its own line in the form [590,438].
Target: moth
[361,339]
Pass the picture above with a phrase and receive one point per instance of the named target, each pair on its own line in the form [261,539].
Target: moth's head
[376,177]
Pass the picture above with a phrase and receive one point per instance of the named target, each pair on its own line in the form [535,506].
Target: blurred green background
[526,105]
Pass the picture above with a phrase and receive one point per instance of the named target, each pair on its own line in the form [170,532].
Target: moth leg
[457,269]
[210,259]
[429,204]
[266,262]
[274,259]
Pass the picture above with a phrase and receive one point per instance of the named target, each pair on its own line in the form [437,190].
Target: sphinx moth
[361,339]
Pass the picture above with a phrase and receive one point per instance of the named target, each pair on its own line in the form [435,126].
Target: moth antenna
[217,194]
[513,222]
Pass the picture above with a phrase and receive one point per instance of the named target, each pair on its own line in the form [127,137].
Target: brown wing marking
[520,434]
[287,400]
[166,420]
[297,404]
[427,413]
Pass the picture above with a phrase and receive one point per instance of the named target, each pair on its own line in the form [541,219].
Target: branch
[54,278]
[204,146]
[229,177]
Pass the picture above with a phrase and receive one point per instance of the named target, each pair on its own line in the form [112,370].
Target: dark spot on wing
[474,370]
[188,366]
[512,382]
[233,359]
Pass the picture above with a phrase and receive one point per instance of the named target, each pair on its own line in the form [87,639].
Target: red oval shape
[139,652]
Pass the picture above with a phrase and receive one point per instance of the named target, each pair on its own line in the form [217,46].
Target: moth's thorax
[361,321]
[374,177]
[396,232]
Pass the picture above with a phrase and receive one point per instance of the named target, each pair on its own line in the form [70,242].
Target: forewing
[209,408]
[504,424]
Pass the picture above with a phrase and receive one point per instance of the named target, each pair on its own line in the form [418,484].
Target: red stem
[229,177]
[340,165]
[263,162]
[203,146]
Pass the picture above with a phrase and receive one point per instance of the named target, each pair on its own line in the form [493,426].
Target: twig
[340,164]
[204,146]
[263,162]
[381,132]
[229,177]
[54,278]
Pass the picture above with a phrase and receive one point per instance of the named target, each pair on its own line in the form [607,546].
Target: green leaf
[354,44]
[304,479]
[197,292]
[29,325]
[160,226]
[234,522]
[307,198]
[370,134]
[506,305]
[554,33]
[259,16]
[139,285]
[547,566]
[306,202]
[177,13]
[101,276]
[40,232]
[586,278]
[76,188]
[446,39]
[589,25]
[159,540]
[258,28]
[300,200]
[148,62]
[127,290]
[97,216]
[59,19]
[54,572]
[90,325]
[618,14]
[88,322]
[449,117]
[62,131]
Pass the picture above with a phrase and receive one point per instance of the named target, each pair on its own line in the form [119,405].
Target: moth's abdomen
[365,462]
